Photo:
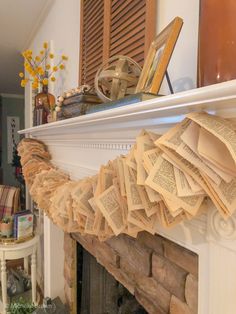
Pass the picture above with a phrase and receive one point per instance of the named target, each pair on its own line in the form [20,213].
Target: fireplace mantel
[80,145]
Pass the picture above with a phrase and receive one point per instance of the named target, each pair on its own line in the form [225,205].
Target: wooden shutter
[91,39]
[125,27]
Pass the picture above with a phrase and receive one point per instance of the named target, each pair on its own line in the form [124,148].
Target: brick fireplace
[162,275]
[80,145]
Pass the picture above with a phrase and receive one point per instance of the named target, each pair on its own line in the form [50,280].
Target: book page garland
[163,179]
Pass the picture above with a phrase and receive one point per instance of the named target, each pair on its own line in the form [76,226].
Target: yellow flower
[45,81]
[24,54]
[45,45]
[35,85]
[37,58]
[62,67]
[41,52]
[23,83]
[51,55]
[27,54]
[55,68]
[53,79]
[27,66]
[64,57]
[48,66]
[36,79]
[33,73]
[40,70]
[21,74]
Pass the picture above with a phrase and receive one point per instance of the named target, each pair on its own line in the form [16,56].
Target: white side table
[16,251]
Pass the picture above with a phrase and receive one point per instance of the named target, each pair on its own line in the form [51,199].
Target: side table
[16,251]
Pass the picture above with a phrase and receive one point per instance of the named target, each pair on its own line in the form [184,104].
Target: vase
[217,42]
[6,229]
[44,104]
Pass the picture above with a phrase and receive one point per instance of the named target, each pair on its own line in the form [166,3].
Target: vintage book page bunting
[163,179]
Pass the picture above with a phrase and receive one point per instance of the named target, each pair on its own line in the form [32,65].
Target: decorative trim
[74,170]
[93,145]
[222,229]
[157,112]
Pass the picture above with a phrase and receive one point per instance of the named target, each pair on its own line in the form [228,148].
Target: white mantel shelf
[80,145]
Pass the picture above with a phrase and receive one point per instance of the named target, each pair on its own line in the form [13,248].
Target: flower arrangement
[6,219]
[6,226]
[39,69]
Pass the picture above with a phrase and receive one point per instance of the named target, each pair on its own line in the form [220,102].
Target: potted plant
[21,306]
[6,226]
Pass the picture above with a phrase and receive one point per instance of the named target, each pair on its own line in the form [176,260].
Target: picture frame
[158,58]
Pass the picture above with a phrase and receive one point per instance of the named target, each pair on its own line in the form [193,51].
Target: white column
[221,236]
[33,277]
[53,260]
[4,284]
[26,264]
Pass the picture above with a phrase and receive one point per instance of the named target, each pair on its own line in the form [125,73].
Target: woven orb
[117,78]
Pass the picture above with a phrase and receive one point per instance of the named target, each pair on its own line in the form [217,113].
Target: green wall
[10,107]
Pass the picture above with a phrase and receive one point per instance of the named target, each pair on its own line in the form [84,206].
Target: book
[79,106]
[23,224]
[128,100]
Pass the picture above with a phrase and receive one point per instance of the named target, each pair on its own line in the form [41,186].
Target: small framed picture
[158,58]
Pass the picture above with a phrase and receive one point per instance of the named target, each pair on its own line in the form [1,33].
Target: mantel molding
[81,145]
[161,111]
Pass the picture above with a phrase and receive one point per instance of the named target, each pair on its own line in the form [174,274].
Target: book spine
[15,226]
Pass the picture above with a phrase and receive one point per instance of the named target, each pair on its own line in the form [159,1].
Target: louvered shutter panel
[92,23]
[128,28]
[113,27]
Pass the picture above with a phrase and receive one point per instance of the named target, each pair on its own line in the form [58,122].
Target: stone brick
[69,275]
[169,275]
[153,242]
[128,269]
[69,296]
[149,306]
[69,244]
[155,292]
[105,254]
[70,260]
[178,307]
[70,250]
[122,277]
[191,293]
[182,257]
[133,253]
[86,241]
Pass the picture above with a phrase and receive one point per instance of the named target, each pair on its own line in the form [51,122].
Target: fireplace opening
[98,292]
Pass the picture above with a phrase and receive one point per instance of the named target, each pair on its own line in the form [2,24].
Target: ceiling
[19,21]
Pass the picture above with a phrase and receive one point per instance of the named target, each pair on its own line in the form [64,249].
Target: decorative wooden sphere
[117,78]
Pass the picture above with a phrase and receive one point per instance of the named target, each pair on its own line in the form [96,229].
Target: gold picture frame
[158,58]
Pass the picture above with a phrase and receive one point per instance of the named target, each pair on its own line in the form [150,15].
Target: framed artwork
[13,138]
[158,58]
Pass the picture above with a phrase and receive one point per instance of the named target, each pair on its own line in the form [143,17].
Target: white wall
[61,26]
[183,64]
